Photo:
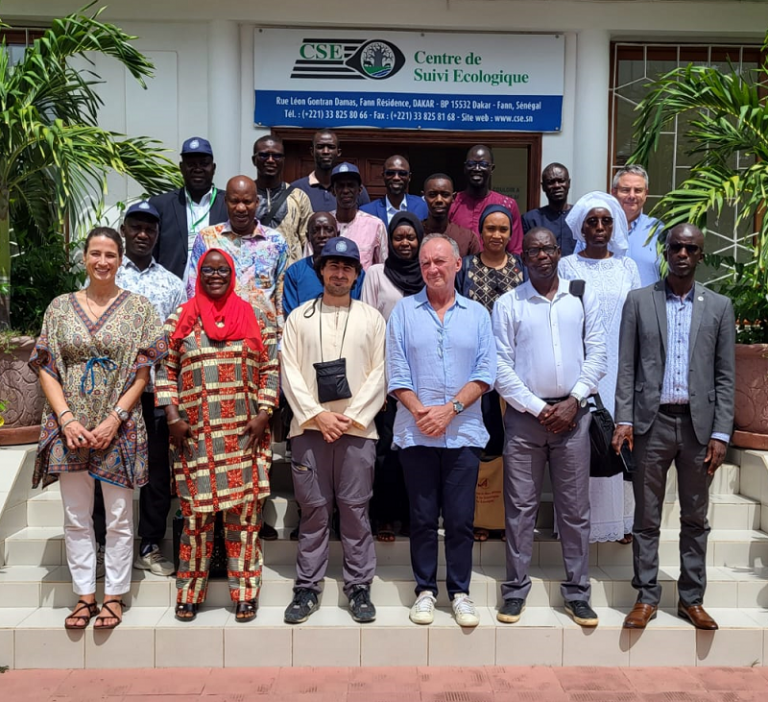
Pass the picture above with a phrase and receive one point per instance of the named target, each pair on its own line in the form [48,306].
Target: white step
[151,637]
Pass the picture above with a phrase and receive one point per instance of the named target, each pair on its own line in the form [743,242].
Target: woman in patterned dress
[218,386]
[485,277]
[93,359]
[600,227]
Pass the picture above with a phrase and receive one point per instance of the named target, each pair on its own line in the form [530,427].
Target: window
[633,67]
[17,40]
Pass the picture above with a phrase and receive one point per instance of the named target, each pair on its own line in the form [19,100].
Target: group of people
[408,339]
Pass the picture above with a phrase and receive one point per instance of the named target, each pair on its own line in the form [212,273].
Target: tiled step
[51,586]
[151,637]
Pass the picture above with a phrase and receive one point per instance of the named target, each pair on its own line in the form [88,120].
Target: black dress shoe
[268,533]
[511,610]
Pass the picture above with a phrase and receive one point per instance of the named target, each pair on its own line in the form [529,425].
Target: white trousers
[77,491]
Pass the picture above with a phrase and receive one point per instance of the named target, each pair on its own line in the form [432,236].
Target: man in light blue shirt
[441,357]
[396,175]
[630,188]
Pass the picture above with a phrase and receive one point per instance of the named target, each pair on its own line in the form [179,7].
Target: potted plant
[53,169]
[726,115]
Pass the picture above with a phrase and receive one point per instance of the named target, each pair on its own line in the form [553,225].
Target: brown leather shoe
[697,615]
[640,615]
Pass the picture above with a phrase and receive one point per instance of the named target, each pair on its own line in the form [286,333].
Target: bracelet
[269,410]
[66,411]
[173,421]
[67,423]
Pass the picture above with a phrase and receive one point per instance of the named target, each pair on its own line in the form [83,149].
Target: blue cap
[345,169]
[144,208]
[196,145]
[341,247]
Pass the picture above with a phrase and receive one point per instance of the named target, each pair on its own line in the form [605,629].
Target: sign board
[408,80]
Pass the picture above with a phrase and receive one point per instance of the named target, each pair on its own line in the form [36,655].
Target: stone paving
[490,684]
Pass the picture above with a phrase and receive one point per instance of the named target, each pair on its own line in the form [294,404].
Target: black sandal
[112,615]
[91,607]
[186,608]
[246,608]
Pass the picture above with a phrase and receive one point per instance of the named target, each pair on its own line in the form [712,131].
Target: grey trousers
[321,472]
[528,446]
[670,438]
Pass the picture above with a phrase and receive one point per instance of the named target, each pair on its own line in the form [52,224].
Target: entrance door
[517,157]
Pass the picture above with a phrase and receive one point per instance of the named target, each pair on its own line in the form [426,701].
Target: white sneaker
[101,569]
[155,562]
[464,610]
[423,610]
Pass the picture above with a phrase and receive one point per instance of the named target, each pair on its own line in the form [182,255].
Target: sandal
[626,540]
[186,611]
[245,611]
[481,535]
[111,615]
[91,607]
[385,533]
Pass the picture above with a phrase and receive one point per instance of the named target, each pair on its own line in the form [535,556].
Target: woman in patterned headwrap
[93,359]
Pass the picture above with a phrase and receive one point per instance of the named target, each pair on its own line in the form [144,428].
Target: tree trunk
[5,261]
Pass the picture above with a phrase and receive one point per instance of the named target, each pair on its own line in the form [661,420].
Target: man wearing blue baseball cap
[366,230]
[188,210]
[333,378]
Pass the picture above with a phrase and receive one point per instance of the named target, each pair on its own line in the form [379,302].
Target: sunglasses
[534,251]
[594,221]
[691,249]
[266,155]
[392,172]
[482,165]
[222,271]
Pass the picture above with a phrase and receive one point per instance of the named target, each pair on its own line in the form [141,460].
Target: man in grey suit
[674,402]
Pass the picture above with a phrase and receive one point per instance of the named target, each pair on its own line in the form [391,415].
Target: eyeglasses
[482,165]
[222,271]
[266,155]
[534,251]
[594,221]
[392,172]
[691,249]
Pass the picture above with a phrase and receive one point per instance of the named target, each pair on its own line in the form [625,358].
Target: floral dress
[218,387]
[95,363]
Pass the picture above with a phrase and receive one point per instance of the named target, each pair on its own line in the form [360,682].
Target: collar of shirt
[258,232]
[315,183]
[527,291]
[672,296]
[392,210]
[128,264]
[639,221]
[422,299]
[205,200]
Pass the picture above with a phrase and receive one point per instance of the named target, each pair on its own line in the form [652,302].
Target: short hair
[481,146]
[443,237]
[552,166]
[437,176]
[268,137]
[324,259]
[633,169]
[321,132]
[107,232]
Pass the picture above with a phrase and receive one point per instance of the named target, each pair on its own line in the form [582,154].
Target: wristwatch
[457,406]
[121,413]
[582,401]
[269,410]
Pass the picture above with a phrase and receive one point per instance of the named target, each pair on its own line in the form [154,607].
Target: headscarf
[491,209]
[404,274]
[619,242]
[229,318]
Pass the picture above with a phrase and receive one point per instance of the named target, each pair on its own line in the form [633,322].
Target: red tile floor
[535,684]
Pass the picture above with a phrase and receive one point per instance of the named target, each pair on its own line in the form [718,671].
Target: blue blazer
[378,208]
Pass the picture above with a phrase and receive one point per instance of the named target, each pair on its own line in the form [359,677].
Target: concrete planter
[20,390]
[751,412]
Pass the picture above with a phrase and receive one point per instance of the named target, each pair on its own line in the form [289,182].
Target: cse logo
[347,58]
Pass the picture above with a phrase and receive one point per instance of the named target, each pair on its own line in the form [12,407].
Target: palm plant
[726,114]
[54,158]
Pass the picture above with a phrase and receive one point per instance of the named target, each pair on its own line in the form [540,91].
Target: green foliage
[726,114]
[54,158]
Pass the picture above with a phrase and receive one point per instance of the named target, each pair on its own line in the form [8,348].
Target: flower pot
[20,390]
[751,411]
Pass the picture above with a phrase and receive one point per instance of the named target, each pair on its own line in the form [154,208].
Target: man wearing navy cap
[141,274]
[187,211]
[366,230]
[333,433]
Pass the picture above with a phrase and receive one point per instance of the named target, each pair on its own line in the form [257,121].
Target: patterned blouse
[485,284]
[218,387]
[95,363]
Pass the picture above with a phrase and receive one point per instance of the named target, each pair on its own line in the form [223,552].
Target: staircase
[35,594]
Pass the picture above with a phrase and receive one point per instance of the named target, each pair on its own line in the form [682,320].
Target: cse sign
[321,51]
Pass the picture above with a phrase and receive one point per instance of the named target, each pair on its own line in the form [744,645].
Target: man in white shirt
[333,434]
[551,354]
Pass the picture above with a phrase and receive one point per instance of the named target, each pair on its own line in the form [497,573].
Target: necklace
[90,309]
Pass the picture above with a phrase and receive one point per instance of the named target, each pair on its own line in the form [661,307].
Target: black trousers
[155,496]
[390,498]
